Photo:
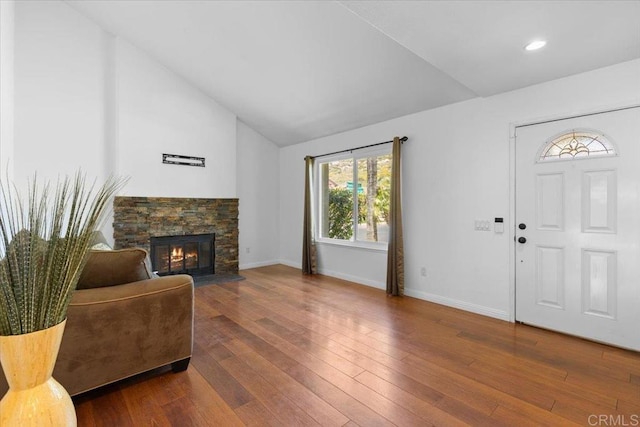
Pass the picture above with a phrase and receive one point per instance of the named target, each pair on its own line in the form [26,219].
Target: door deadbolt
[522,226]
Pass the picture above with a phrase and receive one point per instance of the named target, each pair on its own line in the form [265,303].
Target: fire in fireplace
[189,254]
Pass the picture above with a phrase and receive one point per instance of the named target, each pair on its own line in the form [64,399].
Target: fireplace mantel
[137,219]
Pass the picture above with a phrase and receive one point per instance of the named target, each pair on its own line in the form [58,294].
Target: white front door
[578,227]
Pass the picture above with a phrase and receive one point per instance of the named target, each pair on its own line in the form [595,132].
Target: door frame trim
[513,127]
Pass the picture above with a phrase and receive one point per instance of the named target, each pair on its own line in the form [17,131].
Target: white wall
[158,112]
[258,191]
[7,26]
[84,99]
[456,169]
[59,92]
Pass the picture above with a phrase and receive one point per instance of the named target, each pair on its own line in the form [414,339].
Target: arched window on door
[577,144]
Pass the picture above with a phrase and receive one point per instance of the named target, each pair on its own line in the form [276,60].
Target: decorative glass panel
[577,144]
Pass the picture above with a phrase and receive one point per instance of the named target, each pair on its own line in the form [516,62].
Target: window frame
[354,155]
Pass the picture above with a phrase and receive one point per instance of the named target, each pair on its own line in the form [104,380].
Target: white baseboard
[438,299]
[358,280]
[288,263]
[462,305]
[258,264]
[338,275]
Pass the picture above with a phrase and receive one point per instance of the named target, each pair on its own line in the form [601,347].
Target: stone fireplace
[139,219]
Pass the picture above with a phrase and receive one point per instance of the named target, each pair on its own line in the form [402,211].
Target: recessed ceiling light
[535,45]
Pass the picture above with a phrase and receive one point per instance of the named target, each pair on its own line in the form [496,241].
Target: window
[577,144]
[354,198]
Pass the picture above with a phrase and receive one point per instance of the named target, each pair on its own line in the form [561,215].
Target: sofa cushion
[111,268]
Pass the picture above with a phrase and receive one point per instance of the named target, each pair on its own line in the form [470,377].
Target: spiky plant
[43,248]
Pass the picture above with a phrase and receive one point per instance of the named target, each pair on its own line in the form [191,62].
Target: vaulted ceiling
[299,70]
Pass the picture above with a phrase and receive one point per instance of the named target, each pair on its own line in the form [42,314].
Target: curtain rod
[403,139]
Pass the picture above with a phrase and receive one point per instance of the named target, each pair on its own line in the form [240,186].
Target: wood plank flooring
[283,349]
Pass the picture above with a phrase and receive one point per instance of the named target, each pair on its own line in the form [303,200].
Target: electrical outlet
[248,250]
[423,272]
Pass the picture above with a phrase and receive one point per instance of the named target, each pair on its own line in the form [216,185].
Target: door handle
[522,240]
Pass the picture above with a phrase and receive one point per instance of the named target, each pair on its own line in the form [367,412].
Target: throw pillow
[111,268]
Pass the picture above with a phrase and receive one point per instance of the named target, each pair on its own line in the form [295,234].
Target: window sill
[372,247]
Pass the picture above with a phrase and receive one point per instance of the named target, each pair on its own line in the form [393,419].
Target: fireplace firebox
[188,254]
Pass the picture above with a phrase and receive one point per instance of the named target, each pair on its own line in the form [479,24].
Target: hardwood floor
[283,349]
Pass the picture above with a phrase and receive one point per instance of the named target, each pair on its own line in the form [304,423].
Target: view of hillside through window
[364,194]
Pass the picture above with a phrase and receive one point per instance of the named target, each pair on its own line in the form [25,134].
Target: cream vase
[34,397]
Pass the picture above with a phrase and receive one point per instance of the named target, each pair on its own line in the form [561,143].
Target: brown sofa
[123,320]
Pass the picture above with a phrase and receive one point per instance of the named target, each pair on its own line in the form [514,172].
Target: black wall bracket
[177,159]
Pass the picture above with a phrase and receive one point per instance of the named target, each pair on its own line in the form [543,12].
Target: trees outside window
[354,197]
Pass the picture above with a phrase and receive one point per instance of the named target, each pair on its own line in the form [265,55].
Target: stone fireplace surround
[136,219]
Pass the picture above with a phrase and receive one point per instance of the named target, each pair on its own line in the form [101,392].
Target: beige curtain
[308,243]
[395,254]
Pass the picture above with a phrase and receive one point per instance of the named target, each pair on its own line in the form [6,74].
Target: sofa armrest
[119,331]
[139,289]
